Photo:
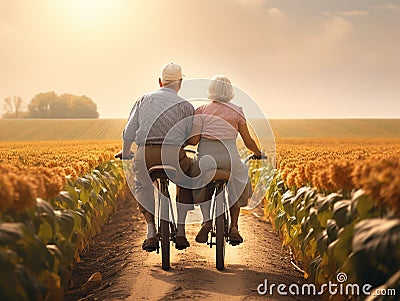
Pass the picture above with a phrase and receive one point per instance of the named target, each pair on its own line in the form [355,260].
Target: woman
[215,127]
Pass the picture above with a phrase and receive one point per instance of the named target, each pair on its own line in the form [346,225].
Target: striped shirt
[159,117]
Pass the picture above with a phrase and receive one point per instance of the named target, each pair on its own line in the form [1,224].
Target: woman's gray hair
[220,89]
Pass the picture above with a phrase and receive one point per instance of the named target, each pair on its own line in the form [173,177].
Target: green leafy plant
[39,246]
[332,232]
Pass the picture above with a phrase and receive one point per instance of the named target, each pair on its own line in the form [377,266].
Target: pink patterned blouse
[219,120]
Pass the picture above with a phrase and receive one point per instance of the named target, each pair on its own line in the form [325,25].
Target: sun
[90,12]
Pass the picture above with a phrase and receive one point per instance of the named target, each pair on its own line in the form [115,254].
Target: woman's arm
[248,140]
[194,137]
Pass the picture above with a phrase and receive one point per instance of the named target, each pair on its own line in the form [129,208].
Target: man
[160,123]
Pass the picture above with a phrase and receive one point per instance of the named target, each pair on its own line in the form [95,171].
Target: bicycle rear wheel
[220,229]
[164,227]
[165,245]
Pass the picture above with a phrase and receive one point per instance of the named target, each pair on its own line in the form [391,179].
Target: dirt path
[132,274]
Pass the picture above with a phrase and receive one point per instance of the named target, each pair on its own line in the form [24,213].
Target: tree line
[50,105]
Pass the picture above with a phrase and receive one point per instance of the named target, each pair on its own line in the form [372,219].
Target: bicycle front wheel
[220,231]
[220,243]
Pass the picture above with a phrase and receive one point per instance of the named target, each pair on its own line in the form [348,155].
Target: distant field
[336,128]
[61,129]
[109,129]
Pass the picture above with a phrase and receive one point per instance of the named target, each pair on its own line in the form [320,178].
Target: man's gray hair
[220,89]
[168,82]
[172,84]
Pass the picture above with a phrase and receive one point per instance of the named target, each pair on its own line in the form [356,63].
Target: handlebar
[254,157]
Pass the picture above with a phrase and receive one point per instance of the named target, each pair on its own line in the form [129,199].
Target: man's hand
[120,156]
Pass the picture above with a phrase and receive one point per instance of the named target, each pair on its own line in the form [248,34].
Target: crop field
[334,201]
[333,165]
[54,196]
[31,169]
[336,204]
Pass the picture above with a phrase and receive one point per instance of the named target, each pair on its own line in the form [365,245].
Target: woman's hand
[259,156]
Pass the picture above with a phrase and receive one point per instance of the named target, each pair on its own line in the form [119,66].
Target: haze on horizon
[296,59]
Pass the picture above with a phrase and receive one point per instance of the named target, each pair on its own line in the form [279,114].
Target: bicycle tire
[164,227]
[220,236]
[165,245]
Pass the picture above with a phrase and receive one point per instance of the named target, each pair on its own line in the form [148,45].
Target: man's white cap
[171,72]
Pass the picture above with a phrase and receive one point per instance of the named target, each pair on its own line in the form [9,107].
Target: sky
[294,58]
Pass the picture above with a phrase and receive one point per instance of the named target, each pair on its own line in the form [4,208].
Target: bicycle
[219,234]
[165,222]
[166,226]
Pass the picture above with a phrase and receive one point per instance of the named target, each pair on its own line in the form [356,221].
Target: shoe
[234,237]
[150,244]
[202,236]
[181,242]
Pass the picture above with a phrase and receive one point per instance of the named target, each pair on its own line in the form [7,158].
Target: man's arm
[126,149]
[129,133]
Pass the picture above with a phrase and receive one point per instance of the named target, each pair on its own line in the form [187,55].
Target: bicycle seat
[162,172]
[220,175]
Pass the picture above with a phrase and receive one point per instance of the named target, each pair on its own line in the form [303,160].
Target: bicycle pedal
[181,248]
[234,243]
[151,250]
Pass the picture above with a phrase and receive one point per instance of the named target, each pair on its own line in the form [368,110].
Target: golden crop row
[342,165]
[39,169]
